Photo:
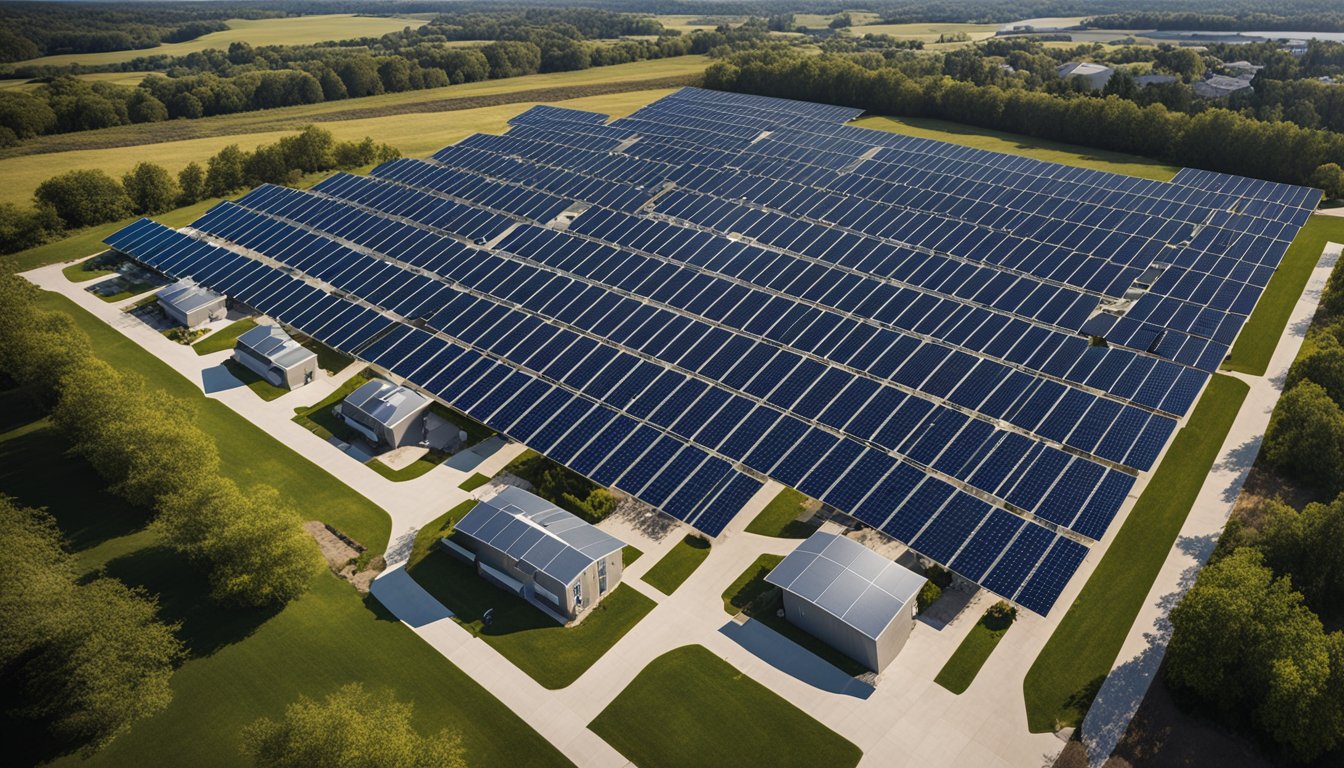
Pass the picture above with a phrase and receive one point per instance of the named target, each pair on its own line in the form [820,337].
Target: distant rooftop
[385,402]
[1083,68]
[534,531]
[272,343]
[848,580]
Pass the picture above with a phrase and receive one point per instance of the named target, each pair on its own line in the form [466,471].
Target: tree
[1329,177]
[1306,436]
[191,182]
[1323,364]
[1306,546]
[1185,63]
[142,107]
[510,58]
[225,171]
[1242,639]
[349,727]
[151,189]
[22,228]
[309,150]
[25,114]
[266,165]
[84,198]
[841,21]
[37,580]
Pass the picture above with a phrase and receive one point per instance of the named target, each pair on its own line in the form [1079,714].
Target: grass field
[1066,675]
[960,670]
[417,127]
[225,337]
[1261,333]
[475,481]
[690,706]
[677,565]
[248,453]
[552,655]
[926,32]
[242,664]
[780,517]
[1015,144]
[298,30]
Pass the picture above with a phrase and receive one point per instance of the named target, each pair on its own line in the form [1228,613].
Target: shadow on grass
[184,596]
[36,470]
[458,587]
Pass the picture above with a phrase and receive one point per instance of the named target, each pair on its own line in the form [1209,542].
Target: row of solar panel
[783,380]
[1161,390]
[1013,557]
[563,183]
[684,481]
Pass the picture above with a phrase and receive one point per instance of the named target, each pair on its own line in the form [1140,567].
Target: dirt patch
[343,556]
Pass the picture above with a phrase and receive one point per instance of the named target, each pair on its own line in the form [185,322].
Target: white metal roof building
[534,548]
[190,304]
[386,413]
[272,354]
[854,599]
[1095,75]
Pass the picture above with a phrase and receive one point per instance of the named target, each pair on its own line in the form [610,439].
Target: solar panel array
[722,288]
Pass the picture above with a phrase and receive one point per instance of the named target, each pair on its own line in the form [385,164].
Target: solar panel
[722,288]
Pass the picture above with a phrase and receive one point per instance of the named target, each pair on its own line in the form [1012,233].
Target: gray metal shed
[270,352]
[386,413]
[533,548]
[189,304]
[850,597]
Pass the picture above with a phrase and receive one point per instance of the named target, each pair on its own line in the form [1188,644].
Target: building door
[601,577]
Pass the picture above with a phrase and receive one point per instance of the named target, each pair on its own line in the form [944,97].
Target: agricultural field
[299,30]
[414,122]
[926,33]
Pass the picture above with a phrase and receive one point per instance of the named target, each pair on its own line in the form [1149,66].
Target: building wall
[409,430]
[197,316]
[874,654]
[567,607]
[301,374]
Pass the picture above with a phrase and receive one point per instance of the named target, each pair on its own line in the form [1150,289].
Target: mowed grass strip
[1066,675]
[678,564]
[780,517]
[965,663]
[1017,144]
[225,337]
[1255,345]
[248,453]
[688,706]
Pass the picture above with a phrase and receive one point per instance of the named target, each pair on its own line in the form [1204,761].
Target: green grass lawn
[225,337]
[1261,334]
[629,555]
[248,453]
[415,469]
[88,269]
[691,707]
[750,594]
[677,565]
[552,655]
[129,289]
[780,517]
[1066,675]
[436,529]
[965,663]
[475,481]
[263,388]
[241,664]
[1016,144]
[319,419]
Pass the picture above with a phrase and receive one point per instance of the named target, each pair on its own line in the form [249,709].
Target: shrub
[84,198]
[928,595]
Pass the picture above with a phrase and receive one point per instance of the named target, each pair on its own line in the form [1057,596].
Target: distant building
[538,551]
[1219,87]
[187,303]
[1243,70]
[386,414]
[1143,80]
[855,600]
[269,352]
[1094,75]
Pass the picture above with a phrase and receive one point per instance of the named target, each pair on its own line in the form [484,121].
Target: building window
[578,595]
[601,577]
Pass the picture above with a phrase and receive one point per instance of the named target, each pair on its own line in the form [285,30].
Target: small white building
[1219,87]
[1095,76]
[189,304]
[386,414]
[270,353]
[850,597]
[1244,70]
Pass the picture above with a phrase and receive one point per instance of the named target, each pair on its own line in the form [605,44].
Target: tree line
[1214,139]
[83,198]
[29,29]
[1249,641]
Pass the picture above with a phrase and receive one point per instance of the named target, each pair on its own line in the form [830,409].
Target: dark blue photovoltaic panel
[895,326]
